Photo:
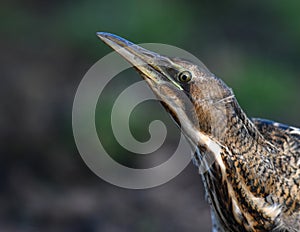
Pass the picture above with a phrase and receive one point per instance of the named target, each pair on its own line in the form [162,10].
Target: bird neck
[237,183]
[225,121]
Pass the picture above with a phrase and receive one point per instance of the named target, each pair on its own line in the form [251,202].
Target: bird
[254,182]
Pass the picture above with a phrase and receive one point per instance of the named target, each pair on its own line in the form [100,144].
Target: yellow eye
[184,76]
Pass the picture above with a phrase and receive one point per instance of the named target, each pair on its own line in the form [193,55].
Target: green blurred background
[46,48]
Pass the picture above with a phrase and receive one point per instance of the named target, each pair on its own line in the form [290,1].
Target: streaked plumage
[254,183]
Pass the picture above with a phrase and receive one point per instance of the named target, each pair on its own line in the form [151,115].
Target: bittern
[254,183]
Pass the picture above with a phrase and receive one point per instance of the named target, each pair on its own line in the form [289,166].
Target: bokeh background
[46,48]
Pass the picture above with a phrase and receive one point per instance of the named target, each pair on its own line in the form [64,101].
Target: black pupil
[184,77]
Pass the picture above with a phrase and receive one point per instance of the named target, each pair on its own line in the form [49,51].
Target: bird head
[195,98]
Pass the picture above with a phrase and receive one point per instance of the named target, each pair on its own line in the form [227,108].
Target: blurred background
[46,48]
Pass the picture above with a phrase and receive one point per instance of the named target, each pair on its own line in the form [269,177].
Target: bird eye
[184,76]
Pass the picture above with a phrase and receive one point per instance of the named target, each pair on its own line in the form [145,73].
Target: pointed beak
[149,64]
[159,72]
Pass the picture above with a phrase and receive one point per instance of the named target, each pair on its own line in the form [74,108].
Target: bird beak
[155,68]
[149,64]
